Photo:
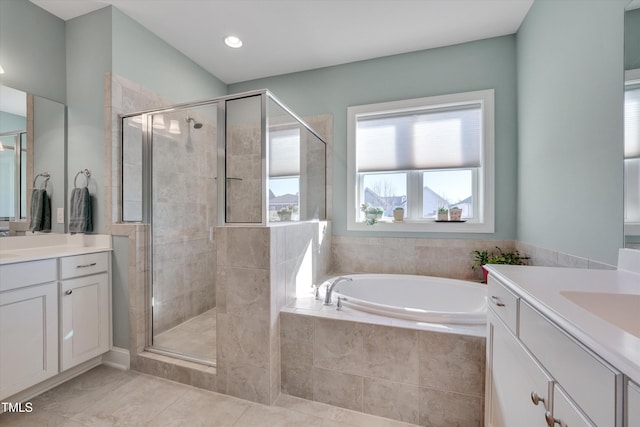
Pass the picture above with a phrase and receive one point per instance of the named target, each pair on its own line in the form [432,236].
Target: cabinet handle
[536,399]
[86,265]
[496,301]
[553,421]
[68,292]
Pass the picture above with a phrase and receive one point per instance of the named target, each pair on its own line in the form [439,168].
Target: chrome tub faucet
[331,286]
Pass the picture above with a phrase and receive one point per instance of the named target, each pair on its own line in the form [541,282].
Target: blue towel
[80,214]
[40,213]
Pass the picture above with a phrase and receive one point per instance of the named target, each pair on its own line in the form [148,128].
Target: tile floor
[106,396]
[195,337]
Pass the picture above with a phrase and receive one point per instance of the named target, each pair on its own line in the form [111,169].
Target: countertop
[545,288]
[44,246]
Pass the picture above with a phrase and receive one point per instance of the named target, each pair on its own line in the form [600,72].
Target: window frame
[484,178]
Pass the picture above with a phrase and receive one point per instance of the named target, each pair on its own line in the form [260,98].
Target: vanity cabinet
[28,325]
[514,378]
[55,313]
[538,375]
[84,308]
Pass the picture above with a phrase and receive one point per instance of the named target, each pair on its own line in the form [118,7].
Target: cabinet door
[28,337]
[565,413]
[633,404]
[85,318]
[512,377]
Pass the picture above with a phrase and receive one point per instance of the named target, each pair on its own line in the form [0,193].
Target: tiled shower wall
[184,209]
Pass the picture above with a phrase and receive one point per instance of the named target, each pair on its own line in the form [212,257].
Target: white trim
[486,187]
[117,358]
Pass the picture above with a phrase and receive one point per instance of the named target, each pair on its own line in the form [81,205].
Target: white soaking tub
[418,298]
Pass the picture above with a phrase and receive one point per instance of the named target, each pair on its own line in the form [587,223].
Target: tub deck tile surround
[384,370]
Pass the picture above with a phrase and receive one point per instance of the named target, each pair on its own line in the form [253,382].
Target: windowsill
[424,227]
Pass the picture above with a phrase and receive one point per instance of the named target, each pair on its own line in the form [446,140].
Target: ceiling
[284,36]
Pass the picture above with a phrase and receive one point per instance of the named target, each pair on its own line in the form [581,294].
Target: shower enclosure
[13,173]
[239,159]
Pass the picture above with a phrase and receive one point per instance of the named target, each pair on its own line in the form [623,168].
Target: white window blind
[632,123]
[284,152]
[437,138]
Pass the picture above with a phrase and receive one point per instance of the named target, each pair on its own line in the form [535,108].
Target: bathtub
[417,298]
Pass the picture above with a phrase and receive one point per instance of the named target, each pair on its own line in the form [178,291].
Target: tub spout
[331,286]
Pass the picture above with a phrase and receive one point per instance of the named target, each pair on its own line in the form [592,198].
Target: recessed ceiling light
[233,41]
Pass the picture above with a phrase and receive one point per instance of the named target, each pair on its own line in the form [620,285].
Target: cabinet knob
[536,399]
[553,421]
[68,292]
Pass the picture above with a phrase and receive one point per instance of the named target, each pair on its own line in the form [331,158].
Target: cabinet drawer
[590,382]
[503,303]
[21,274]
[83,265]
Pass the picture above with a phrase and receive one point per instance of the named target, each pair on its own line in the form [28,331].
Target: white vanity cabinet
[514,381]
[55,314]
[28,325]
[538,375]
[84,308]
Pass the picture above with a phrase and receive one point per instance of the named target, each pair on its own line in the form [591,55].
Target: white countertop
[44,246]
[543,287]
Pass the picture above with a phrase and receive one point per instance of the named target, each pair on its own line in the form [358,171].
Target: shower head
[196,125]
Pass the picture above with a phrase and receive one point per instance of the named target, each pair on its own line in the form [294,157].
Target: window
[284,173]
[421,155]
[632,153]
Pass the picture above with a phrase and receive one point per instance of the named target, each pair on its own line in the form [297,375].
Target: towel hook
[45,175]
[86,173]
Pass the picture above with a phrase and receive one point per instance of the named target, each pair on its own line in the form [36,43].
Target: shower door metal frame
[147,182]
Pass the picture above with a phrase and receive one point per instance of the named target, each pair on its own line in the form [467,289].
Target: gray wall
[570,106]
[142,57]
[37,63]
[470,66]
[88,40]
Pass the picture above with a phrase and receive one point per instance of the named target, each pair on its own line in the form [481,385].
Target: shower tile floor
[195,337]
[106,396]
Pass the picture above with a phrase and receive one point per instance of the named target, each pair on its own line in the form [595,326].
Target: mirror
[33,133]
[632,125]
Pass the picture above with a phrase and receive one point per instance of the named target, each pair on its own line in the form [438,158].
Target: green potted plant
[455,214]
[284,214]
[398,214]
[443,214]
[371,214]
[500,257]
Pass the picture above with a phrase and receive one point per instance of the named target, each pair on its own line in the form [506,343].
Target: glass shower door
[183,212]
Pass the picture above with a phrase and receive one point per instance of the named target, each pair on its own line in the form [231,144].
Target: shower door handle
[233,179]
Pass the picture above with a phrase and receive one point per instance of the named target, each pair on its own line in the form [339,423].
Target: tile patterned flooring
[195,337]
[107,396]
